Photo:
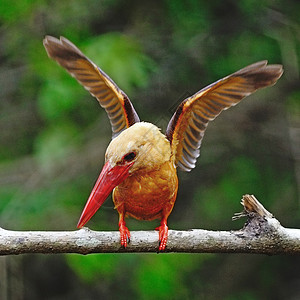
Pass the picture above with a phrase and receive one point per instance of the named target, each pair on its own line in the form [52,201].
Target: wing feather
[187,126]
[118,107]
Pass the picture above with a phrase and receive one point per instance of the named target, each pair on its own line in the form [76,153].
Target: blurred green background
[54,135]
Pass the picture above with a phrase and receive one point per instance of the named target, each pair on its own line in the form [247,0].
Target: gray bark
[262,234]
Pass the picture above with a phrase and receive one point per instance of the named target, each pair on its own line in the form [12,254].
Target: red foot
[163,236]
[124,234]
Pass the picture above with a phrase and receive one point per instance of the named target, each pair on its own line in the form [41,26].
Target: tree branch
[261,234]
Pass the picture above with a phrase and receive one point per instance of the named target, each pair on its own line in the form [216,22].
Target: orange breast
[144,195]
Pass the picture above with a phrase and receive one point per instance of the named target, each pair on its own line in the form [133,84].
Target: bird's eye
[129,156]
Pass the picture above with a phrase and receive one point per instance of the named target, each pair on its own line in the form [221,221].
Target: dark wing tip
[61,48]
[262,74]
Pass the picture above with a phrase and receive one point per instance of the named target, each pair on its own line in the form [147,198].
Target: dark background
[54,134]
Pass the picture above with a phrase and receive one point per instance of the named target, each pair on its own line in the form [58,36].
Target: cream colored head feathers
[151,147]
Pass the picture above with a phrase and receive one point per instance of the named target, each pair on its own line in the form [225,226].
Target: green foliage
[197,14]
[58,97]
[7,194]
[293,106]
[242,176]
[161,277]
[98,266]
[149,276]
[219,202]
[244,46]
[121,57]
[11,11]
[54,145]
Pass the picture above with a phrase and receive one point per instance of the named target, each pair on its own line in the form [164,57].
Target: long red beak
[108,179]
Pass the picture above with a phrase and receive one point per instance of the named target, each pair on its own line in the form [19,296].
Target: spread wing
[186,128]
[117,105]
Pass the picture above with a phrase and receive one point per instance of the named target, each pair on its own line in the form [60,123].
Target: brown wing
[187,126]
[117,105]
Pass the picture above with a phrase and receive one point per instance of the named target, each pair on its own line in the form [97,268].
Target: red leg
[163,234]
[124,232]
[163,228]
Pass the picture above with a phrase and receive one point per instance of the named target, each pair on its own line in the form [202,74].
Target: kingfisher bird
[141,162]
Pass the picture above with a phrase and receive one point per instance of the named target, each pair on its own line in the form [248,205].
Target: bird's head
[140,147]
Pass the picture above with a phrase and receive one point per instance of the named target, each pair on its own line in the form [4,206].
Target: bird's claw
[125,235]
[163,236]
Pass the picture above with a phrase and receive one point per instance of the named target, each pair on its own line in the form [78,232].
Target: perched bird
[141,161]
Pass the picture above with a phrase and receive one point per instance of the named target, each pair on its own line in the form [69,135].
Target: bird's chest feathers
[144,194]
